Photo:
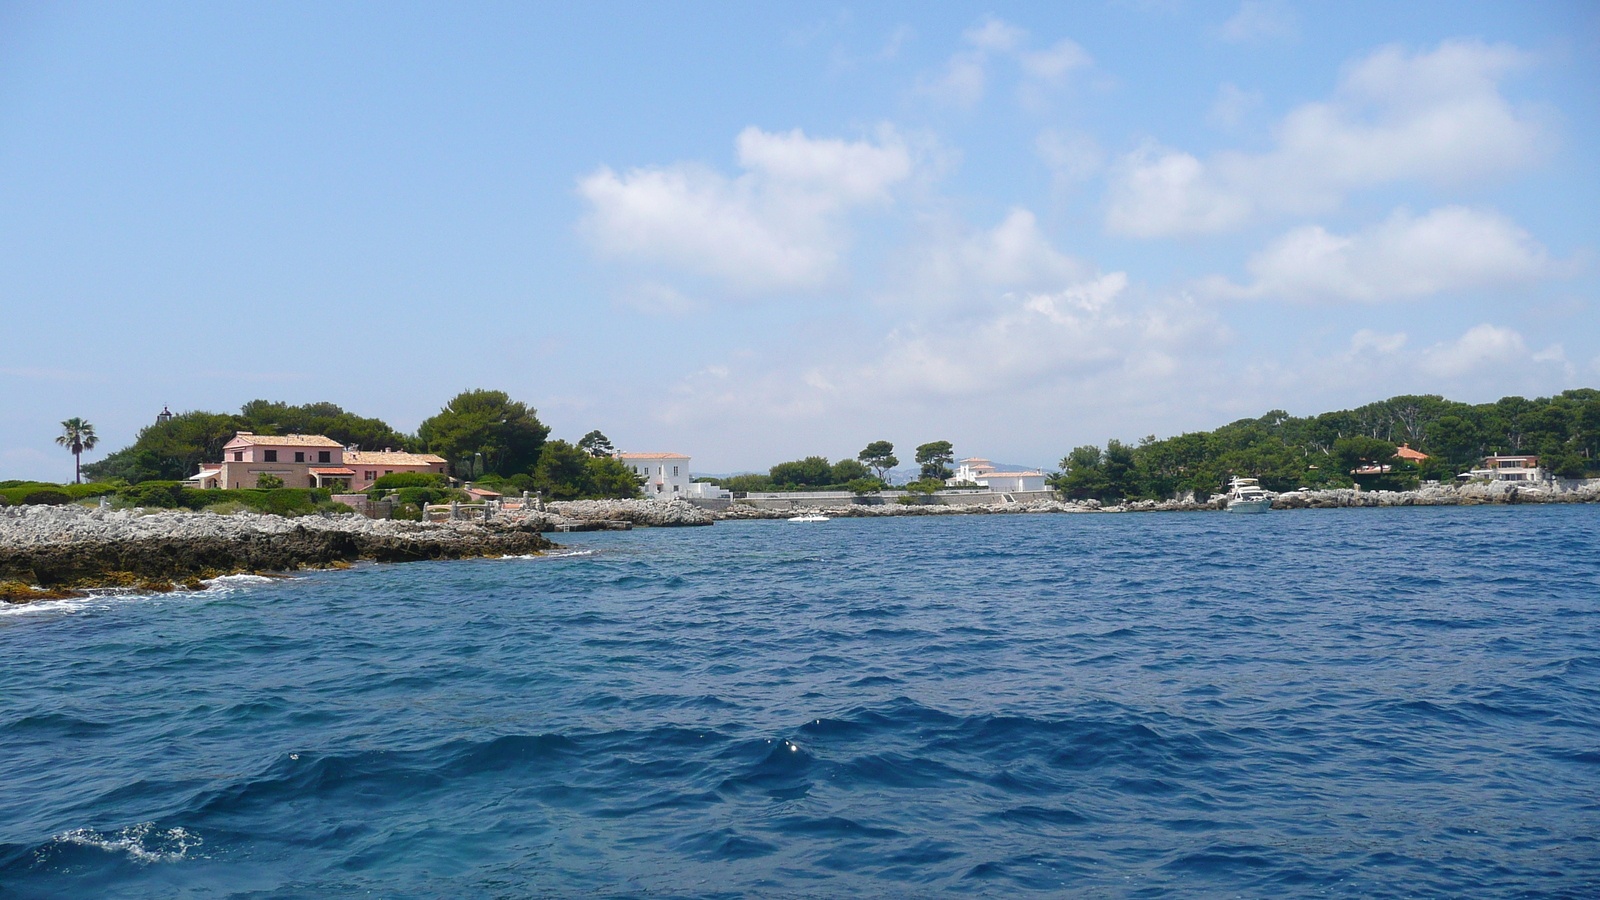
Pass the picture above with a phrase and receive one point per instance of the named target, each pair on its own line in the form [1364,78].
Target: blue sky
[754,232]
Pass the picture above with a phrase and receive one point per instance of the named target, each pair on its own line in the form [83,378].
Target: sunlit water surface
[1340,703]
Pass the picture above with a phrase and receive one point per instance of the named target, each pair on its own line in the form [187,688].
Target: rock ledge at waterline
[77,547]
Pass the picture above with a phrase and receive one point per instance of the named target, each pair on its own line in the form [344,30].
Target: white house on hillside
[666,475]
[1507,468]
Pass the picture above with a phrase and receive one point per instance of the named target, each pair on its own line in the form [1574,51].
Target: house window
[323,456]
[388,471]
[371,476]
[238,456]
[299,456]
[658,487]
[674,489]
[674,471]
[272,455]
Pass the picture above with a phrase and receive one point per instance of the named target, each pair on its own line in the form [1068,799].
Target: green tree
[267,481]
[1081,476]
[935,459]
[506,432]
[329,419]
[77,436]
[596,444]
[848,470]
[610,478]
[747,483]
[813,471]
[1117,466]
[563,472]
[879,456]
[1360,451]
[866,485]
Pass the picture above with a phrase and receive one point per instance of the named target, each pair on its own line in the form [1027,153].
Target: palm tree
[77,436]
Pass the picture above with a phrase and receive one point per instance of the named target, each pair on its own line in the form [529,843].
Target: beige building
[306,460]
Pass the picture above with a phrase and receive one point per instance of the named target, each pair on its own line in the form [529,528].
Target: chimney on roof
[244,432]
[386,449]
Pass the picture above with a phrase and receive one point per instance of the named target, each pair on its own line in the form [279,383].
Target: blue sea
[1333,703]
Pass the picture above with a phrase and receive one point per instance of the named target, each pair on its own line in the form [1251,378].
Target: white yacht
[1245,495]
[809,519]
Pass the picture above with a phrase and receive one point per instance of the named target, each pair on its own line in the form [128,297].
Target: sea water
[1334,703]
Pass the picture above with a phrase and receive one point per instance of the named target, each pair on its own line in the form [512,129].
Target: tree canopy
[879,456]
[935,459]
[507,433]
[1286,451]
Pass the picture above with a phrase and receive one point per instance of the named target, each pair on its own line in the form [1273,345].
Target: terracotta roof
[333,471]
[379,458]
[651,456]
[1405,452]
[483,492]
[1008,474]
[245,438]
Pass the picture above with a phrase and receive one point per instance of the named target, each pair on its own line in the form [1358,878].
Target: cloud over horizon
[1434,117]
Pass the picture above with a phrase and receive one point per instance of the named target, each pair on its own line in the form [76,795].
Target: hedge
[17,492]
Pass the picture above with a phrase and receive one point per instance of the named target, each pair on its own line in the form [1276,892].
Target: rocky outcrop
[863,511]
[71,546]
[652,513]
[1471,494]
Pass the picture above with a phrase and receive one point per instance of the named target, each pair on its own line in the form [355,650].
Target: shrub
[268,482]
[47,498]
[157,494]
[864,485]
[409,512]
[16,492]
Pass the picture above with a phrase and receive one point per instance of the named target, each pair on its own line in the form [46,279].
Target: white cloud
[958,272]
[1072,157]
[1369,342]
[1436,117]
[1405,257]
[1483,346]
[999,320]
[778,226]
[966,75]
[1231,106]
[1258,20]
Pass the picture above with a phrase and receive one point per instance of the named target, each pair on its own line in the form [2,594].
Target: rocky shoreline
[48,552]
[52,551]
[1502,492]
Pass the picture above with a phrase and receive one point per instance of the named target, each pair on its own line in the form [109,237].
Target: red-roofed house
[306,460]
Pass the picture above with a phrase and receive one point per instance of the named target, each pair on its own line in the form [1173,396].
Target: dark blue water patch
[1341,703]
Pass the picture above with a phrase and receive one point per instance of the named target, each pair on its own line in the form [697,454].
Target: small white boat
[1245,495]
[809,519]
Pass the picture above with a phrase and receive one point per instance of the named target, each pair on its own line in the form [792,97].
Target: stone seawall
[75,547]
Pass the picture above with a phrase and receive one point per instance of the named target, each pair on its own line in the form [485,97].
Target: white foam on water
[553,554]
[143,843]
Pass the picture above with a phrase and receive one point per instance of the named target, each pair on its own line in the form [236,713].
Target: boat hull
[1250,506]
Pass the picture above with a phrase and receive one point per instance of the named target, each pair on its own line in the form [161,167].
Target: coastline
[1502,492]
[51,552]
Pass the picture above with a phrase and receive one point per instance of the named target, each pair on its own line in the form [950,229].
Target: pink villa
[306,460]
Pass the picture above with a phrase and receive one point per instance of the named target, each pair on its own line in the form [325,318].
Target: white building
[666,475]
[976,470]
[699,490]
[1014,481]
[1508,468]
